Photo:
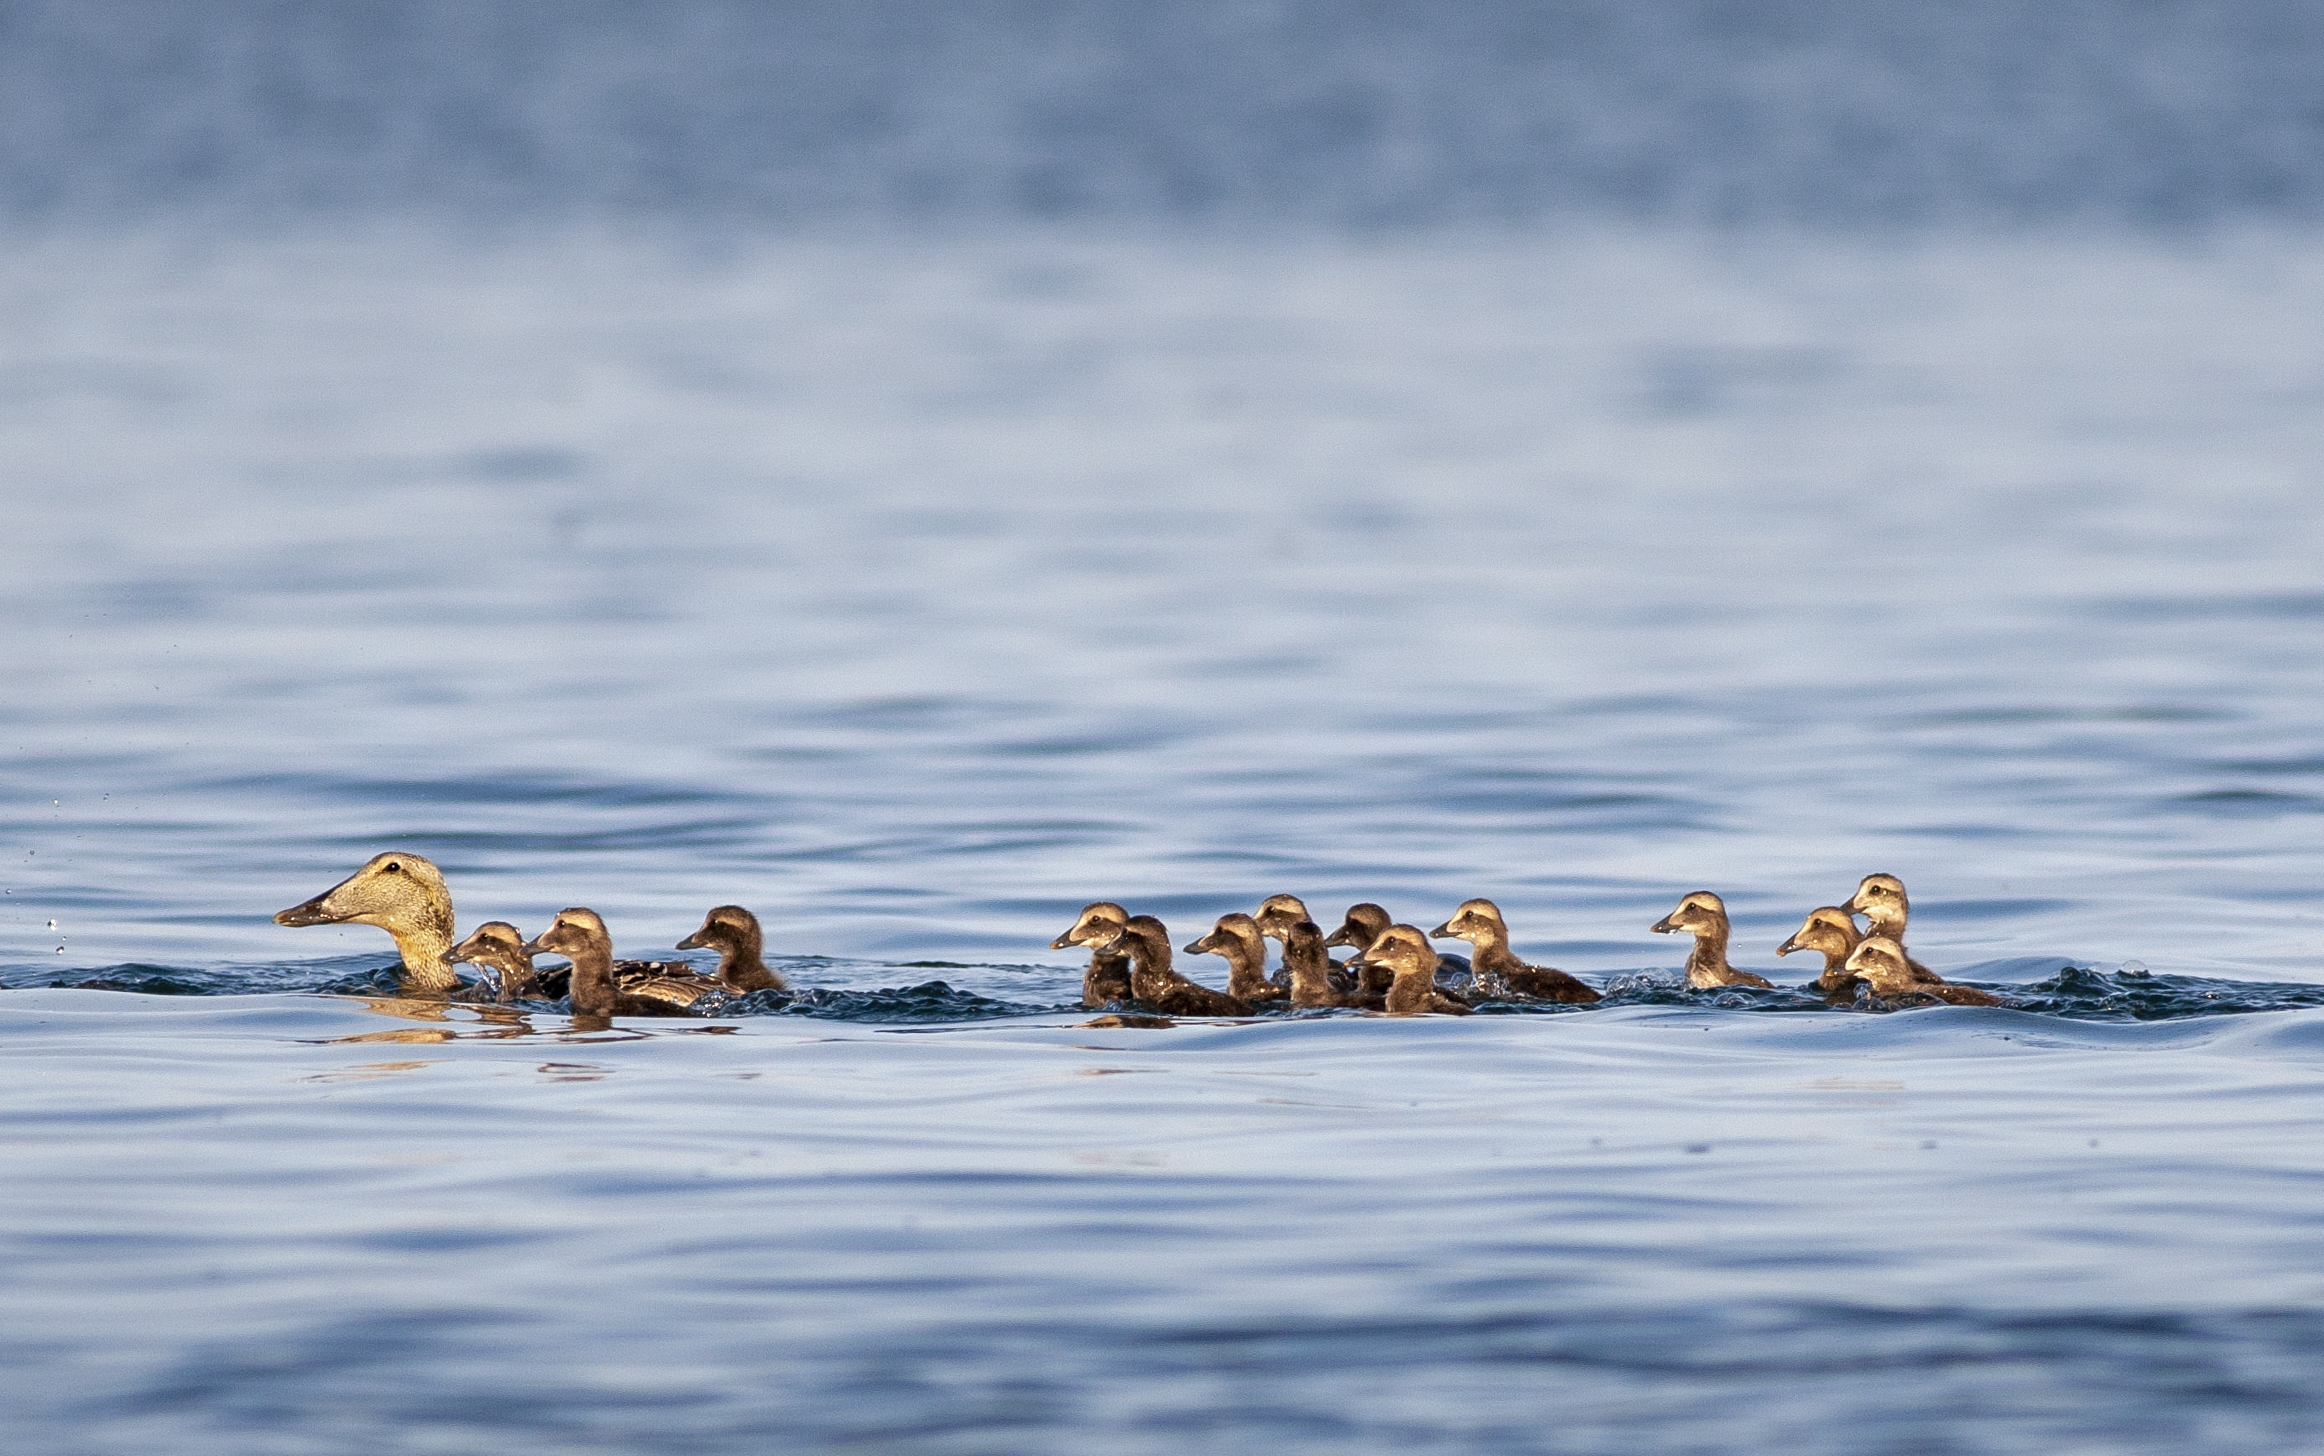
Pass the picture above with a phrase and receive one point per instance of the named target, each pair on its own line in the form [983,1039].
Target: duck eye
[393,868]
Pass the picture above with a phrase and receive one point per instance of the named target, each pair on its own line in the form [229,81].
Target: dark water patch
[930,1001]
[2247,803]
[2261,606]
[2087,994]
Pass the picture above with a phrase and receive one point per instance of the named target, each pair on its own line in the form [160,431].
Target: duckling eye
[392,868]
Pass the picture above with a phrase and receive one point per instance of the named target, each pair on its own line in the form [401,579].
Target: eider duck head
[1141,935]
[1478,922]
[495,945]
[1881,963]
[1880,899]
[1100,922]
[575,932]
[727,928]
[1235,936]
[1363,925]
[1402,949]
[1701,913]
[404,895]
[1278,913]
[1828,928]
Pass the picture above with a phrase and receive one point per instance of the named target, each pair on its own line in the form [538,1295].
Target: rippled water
[915,593]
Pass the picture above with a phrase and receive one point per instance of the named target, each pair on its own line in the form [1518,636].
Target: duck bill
[314,912]
[1064,942]
[1443,932]
[1662,926]
[1788,947]
[534,948]
[1196,947]
[692,942]
[1339,937]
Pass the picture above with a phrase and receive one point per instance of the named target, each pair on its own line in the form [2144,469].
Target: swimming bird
[1881,900]
[579,935]
[1705,914]
[734,933]
[1153,983]
[1497,971]
[404,895]
[1880,963]
[1412,960]
[1315,981]
[498,947]
[1108,976]
[1828,929]
[1237,937]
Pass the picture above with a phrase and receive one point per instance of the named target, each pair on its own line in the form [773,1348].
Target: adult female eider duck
[1880,963]
[1496,970]
[1237,937]
[734,933]
[1880,899]
[1412,960]
[1705,914]
[579,935]
[498,947]
[1098,927]
[1154,984]
[1828,929]
[404,895]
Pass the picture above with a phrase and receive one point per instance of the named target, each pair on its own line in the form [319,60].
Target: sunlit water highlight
[913,594]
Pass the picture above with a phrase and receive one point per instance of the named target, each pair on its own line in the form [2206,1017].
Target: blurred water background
[912,471]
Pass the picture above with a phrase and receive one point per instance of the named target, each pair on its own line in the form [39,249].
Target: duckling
[1155,984]
[1412,960]
[1829,929]
[734,933]
[580,936]
[1880,899]
[1310,968]
[1706,915]
[1275,917]
[1880,963]
[498,947]
[1497,971]
[1108,976]
[1360,927]
[404,895]
[1237,937]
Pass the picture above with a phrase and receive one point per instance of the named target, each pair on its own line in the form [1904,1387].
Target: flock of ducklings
[1396,969]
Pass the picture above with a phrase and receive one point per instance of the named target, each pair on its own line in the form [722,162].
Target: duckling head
[1362,926]
[1477,922]
[1881,899]
[1142,933]
[1402,949]
[1235,934]
[1879,961]
[1278,913]
[576,931]
[402,894]
[496,945]
[1701,912]
[726,927]
[1101,921]
[1827,928]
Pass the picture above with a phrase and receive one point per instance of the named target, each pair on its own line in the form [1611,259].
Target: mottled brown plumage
[1880,963]
[1497,973]
[1412,960]
[1705,916]
[1237,938]
[734,933]
[580,936]
[1829,930]
[1108,976]
[1154,984]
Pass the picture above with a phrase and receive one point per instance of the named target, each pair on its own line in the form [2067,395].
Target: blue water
[913,592]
